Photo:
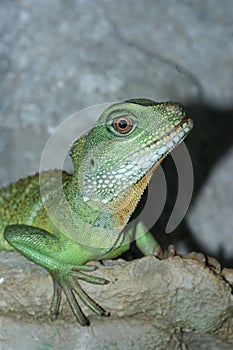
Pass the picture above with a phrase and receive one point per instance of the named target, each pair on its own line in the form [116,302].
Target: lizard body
[61,221]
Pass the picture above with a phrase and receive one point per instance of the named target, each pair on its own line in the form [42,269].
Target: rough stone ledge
[170,295]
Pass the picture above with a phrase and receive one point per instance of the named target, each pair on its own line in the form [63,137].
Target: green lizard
[113,164]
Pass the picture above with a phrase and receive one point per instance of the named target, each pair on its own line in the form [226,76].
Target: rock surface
[152,301]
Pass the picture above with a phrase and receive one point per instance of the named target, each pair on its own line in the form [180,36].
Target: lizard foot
[35,244]
[68,283]
[168,253]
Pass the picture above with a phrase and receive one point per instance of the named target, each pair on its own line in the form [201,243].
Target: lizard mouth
[138,164]
[146,160]
[169,141]
[157,150]
[176,135]
[151,155]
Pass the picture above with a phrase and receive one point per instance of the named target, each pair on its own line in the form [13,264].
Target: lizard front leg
[149,246]
[48,251]
[145,241]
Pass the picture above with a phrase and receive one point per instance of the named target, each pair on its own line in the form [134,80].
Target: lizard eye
[123,125]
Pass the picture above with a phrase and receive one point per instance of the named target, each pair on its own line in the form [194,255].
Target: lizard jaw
[143,161]
[146,157]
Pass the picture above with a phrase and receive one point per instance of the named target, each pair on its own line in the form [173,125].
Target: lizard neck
[126,202]
[114,214]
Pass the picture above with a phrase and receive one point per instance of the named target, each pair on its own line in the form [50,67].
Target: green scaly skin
[61,221]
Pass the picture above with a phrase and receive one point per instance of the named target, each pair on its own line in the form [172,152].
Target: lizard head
[127,143]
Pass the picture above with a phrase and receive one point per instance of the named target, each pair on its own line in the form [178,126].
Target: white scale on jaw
[105,187]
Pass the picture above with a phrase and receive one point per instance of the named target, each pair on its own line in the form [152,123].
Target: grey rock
[151,303]
[58,58]
[210,217]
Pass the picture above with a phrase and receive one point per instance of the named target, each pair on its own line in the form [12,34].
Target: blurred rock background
[57,57]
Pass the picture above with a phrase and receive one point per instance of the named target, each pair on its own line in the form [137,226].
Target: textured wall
[58,57]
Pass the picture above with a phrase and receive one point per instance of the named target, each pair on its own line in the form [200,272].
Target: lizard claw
[169,253]
[75,271]
[68,283]
[158,252]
